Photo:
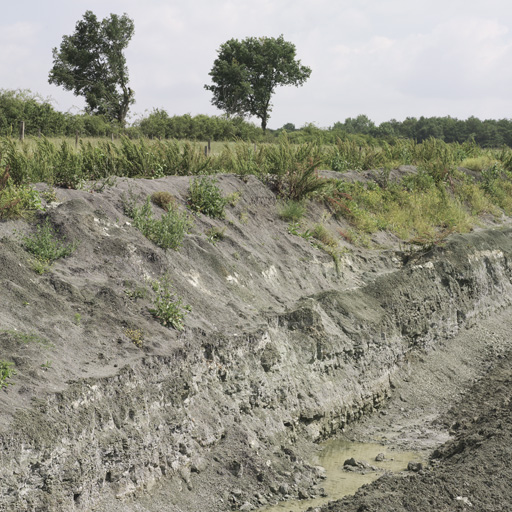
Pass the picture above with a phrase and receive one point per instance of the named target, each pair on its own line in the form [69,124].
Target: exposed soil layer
[472,469]
[112,411]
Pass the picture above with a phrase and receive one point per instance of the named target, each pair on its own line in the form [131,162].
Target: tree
[246,74]
[91,64]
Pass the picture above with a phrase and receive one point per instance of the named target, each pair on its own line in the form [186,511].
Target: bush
[16,201]
[292,211]
[46,246]
[164,200]
[169,309]
[205,197]
[6,372]
[167,232]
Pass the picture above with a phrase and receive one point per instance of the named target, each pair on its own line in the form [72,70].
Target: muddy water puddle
[339,482]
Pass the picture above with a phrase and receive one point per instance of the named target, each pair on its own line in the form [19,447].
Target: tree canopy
[91,63]
[246,74]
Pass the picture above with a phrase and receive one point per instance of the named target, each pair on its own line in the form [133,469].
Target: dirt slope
[279,350]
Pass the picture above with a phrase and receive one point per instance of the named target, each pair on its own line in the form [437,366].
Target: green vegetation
[205,197]
[45,245]
[168,309]
[7,371]
[16,200]
[91,63]
[164,200]
[292,211]
[136,336]
[246,74]
[167,232]
[215,234]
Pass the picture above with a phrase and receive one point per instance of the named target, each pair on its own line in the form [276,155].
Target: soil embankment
[279,350]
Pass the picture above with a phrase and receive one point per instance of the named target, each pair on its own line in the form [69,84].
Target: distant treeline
[41,118]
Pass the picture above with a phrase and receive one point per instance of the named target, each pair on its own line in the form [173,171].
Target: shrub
[45,245]
[6,372]
[322,234]
[169,309]
[167,232]
[215,234]
[163,199]
[294,169]
[206,197]
[292,211]
[16,200]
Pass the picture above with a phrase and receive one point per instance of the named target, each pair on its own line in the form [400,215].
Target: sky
[387,59]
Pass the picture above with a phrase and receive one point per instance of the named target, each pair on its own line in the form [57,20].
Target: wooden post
[112,137]
[206,151]
[209,146]
[22,130]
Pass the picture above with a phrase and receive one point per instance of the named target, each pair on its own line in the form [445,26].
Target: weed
[46,247]
[294,229]
[322,234]
[233,199]
[136,293]
[47,365]
[292,211]
[49,195]
[78,319]
[215,234]
[25,337]
[244,217]
[167,232]
[169,309]
[16,200]
[164,200]
[6,372]
[136,336]
[205,197]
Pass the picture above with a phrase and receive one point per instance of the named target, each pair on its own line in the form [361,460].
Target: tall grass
[438,198]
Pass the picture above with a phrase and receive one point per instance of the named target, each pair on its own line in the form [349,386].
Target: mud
[281,351]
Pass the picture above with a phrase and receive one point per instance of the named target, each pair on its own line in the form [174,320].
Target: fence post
[22,130]
[209,146]
[206,151]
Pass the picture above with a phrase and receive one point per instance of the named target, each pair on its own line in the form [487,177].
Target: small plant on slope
[46,246]
[6,372]
[169,309]
[205,197]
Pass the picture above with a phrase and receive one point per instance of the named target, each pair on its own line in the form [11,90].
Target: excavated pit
[280,351]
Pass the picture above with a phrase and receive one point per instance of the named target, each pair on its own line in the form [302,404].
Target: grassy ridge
[425,206]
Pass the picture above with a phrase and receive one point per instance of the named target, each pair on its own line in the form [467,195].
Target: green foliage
[322,234]
[136,336]
[169,309]
[246,74]
[7,371]
[215,234]
[163,199]
[167,232]
[91,63]
[38,114]
[205,197]
[295,169]
[45,245]
[292,211]
[16,201]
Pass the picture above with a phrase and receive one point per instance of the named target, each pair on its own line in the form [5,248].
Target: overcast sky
[383,58]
